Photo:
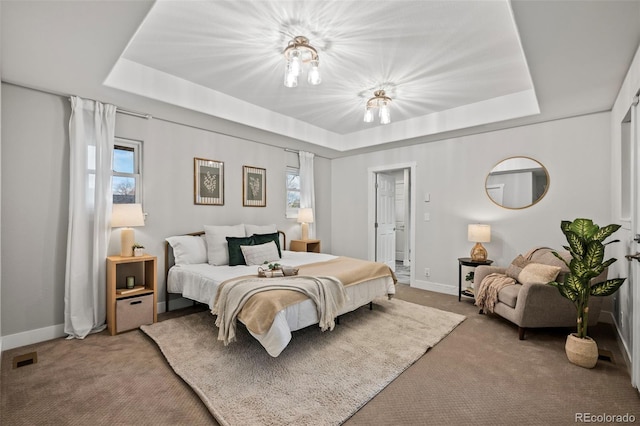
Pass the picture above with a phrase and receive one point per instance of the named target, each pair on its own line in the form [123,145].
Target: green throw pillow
[265,238]
[235,252]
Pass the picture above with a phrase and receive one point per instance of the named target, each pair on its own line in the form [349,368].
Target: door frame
[371,210]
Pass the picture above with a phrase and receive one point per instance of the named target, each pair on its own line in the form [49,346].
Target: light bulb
[295,62]
[368,115]
[313,77]
[290,78]
[385,114]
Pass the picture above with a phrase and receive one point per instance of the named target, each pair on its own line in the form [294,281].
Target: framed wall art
[208,182]
[254,186]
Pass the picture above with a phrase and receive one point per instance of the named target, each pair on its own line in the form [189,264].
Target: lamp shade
[126,215]
[305,215]
[479,233]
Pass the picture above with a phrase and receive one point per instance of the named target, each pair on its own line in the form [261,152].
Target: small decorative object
[254,187]
[138,250]
[131,281]
[289,270]
[270,270]
[469,278]
[586,245]
[208,177]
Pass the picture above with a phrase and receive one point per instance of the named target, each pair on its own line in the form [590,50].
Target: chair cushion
[509,295]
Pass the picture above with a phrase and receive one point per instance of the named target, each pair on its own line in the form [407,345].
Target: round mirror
[517,183]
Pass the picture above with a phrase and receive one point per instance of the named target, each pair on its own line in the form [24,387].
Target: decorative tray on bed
[279,271]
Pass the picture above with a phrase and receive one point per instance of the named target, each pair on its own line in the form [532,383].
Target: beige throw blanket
[490,286]
[233,295]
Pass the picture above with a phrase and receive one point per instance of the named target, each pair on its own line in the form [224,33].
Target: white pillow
[217,247]
[259,229]
[188,249]
[257,255]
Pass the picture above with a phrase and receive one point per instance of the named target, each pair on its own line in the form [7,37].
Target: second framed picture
[254,186]
[208,182]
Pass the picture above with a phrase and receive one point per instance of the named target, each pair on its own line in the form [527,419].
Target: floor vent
[26,359]
[605,355]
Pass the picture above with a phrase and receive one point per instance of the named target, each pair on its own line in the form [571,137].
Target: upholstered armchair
[531,302]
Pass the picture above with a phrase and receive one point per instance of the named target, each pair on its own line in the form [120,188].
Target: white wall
[34,198]
[453,171]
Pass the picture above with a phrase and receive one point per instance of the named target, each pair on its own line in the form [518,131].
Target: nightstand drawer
[133,312]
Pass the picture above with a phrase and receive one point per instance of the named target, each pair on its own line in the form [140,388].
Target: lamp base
[127,240]
[478,253]
[305,231]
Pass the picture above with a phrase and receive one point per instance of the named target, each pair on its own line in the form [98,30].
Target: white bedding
[200,282]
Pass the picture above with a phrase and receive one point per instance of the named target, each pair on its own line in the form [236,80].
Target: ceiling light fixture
[298,52]
[381,101]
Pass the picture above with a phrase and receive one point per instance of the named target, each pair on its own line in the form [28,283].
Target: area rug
[321,378]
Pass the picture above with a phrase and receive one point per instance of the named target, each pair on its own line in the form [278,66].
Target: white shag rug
[321,378]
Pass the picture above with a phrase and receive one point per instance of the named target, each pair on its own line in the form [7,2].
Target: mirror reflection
[517,183]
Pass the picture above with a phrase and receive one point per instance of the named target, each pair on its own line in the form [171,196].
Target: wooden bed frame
[168,254]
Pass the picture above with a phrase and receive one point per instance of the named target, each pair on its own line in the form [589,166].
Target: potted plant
[586,246]
[138,249]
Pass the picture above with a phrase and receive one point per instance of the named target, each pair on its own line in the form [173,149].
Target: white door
[633,280]
[386,220]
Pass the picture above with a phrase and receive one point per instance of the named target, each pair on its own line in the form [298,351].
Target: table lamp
[305,217]
[125,216]
[479,233]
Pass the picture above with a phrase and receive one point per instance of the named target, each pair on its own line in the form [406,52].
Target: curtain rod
[149,116]
[65,95]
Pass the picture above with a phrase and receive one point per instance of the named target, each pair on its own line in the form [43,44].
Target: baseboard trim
[437,287]
[30,337]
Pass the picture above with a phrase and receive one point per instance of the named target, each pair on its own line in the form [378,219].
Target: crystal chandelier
[297,53]
[381,101]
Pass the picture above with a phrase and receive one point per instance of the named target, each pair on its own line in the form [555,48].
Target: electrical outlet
[427,272]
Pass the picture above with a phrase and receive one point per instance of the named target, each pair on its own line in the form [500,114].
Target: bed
[198,265]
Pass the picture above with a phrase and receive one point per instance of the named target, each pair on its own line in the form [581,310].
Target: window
[293,192]
[126,183]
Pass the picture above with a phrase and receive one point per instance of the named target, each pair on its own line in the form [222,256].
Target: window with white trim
[293,192]
[126,183]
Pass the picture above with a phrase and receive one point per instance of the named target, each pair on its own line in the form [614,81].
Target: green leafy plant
[586,245]
[271,266]
[137,245]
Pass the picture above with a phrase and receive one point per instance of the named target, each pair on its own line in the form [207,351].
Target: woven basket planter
[582,352]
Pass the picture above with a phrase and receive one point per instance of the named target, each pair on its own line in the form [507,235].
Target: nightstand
[466,261]
[310,246]
[129,308]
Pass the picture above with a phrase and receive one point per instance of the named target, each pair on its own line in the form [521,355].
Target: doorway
[392,218]
[627,299]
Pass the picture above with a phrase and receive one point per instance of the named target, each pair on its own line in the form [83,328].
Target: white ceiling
[450,66]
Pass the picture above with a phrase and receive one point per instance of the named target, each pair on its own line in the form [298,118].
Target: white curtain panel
[307,188]
[91,137]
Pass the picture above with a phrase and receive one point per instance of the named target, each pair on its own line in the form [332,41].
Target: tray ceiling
[446,64]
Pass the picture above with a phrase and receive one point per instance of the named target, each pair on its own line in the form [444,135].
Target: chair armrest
[482,271]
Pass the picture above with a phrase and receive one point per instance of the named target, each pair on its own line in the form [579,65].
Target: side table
[466,261]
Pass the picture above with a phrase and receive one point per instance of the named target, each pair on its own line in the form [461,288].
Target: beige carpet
[320,378]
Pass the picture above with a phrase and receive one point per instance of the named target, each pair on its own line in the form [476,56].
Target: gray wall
[453,171]
[35,181]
